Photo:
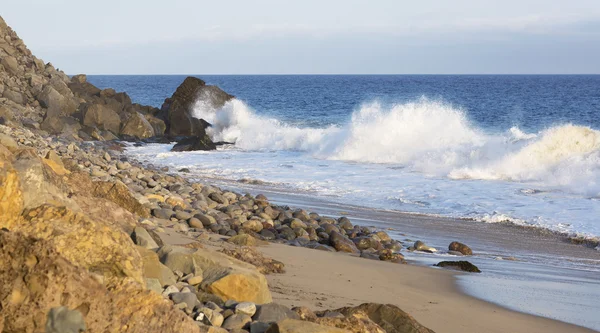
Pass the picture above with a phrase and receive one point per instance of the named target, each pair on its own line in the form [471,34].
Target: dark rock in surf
[195,143]
[460,247]
[460,265]
[176,111]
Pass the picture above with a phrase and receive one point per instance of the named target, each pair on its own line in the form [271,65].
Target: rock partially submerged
[193,143]
[461,248]
[459,265]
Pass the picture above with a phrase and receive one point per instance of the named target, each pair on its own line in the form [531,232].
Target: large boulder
[194,143]
[223,276]
[389,317]
[101,117]
[56,103]
[11,65]
[177,111]
[137,126]
[35,278]
[57,124]
[154,269]
[158,125]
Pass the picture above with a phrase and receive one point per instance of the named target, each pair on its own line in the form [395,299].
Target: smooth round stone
[183,215]
[247,308]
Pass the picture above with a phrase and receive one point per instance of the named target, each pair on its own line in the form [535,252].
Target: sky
[311,36]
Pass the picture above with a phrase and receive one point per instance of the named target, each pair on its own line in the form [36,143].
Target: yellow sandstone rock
[299,326]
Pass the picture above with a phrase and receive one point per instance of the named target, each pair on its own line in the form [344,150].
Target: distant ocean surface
[493,148]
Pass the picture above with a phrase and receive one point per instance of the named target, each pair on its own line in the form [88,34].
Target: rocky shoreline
[85,228]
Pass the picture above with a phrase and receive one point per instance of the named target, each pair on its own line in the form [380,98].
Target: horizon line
[346,74]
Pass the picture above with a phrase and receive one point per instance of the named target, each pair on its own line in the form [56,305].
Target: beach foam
[427,136]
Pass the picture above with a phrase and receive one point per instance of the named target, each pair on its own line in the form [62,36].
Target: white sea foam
[427,136]
[423,157]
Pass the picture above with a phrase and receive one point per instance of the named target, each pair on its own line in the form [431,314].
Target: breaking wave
[425,136]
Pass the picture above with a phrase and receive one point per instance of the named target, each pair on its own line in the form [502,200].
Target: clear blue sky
[311,36]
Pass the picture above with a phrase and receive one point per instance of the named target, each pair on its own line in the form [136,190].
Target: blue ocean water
[494,148]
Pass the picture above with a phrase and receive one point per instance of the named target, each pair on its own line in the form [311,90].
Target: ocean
[521,149]
[473,158]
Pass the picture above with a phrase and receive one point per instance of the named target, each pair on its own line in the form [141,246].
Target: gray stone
[182,215]
[142,238]
[163,213]
[189,299]
[259,327]
[273,312]
[247,308]
[237,321]
[212,317]
[63,320]
[206,220]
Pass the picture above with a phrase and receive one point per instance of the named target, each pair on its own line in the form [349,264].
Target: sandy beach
[325,280]
[330,280]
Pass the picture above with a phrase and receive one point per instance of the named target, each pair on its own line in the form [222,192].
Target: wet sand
[323,280]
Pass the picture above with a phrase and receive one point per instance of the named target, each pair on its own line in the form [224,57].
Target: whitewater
[423,156]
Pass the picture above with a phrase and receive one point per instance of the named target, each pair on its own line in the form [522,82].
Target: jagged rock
[299,326]
[35,278]
[56,103]
[154,269]
[177,110]
[142,238]
[137,126]
[101,117]
[193,143]
[389,317]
